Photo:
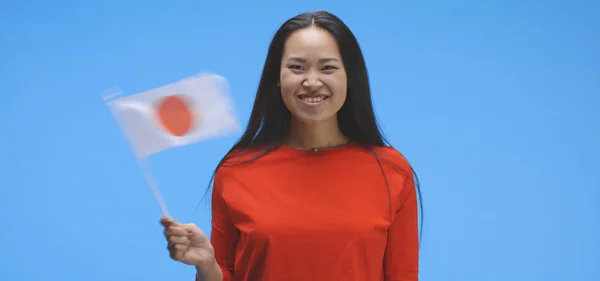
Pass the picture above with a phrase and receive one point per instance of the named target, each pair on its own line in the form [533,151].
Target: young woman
[311,191]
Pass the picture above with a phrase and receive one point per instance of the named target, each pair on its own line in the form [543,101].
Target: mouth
[313,99]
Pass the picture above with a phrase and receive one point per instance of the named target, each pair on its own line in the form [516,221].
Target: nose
[312,82]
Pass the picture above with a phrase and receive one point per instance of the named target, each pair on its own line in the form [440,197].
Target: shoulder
[389,152]
[398,171]
[241,164]
[393,159]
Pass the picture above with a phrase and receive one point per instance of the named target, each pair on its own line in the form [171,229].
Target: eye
[295,67]
[329,68]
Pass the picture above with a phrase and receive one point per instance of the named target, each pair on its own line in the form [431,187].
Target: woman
[310,191]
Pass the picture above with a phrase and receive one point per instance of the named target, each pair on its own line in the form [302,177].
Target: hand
[188,244]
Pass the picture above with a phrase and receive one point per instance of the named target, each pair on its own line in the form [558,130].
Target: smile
[312,100]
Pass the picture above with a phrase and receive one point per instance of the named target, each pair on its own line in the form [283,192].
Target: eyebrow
[303,60]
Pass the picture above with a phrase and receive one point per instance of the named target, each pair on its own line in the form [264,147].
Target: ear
[278,84]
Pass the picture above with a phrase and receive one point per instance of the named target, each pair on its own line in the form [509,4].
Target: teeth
[312,99]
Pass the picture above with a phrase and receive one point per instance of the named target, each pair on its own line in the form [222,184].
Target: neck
[315,136]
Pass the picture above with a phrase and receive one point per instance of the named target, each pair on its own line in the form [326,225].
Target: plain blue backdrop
[496,104]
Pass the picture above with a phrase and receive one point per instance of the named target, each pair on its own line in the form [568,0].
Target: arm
[401,261]
[224,235]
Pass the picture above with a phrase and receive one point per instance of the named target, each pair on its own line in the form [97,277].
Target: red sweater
[296,215]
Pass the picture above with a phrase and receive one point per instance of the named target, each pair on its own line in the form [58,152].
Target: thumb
[167,221]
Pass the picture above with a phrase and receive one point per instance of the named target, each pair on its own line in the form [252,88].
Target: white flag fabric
[181,113]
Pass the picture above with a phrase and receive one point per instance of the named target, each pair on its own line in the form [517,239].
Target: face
[313,78]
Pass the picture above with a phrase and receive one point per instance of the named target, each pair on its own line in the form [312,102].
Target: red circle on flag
[175,115]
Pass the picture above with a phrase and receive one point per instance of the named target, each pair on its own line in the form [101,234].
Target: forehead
[311,41]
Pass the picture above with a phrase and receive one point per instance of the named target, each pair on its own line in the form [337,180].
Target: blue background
[496,104]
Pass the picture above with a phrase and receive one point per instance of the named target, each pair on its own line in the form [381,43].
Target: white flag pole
[145,167]
[109,96]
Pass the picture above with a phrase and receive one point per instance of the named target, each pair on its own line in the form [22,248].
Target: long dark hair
[270,119]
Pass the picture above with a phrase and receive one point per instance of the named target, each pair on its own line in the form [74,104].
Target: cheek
[338,86]
[289,84]
[339,98]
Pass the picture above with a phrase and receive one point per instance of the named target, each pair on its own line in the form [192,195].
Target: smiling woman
[311,191]
[313,80]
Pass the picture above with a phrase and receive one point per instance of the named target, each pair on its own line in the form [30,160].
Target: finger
[191,228]
[177,240]
[175,231]
[177,251]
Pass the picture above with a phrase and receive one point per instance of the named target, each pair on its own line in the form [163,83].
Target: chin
[312,119]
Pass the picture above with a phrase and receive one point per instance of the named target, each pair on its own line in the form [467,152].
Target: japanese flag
[182,113]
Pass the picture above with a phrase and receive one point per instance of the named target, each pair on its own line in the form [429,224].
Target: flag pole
[114,94]
[145,167]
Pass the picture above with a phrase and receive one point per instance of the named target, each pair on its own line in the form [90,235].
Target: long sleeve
[224,236]
[401,261]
